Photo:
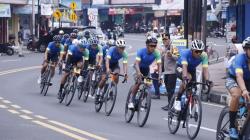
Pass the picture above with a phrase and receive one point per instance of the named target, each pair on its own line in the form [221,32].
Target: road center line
[16,106]
[59,130]
[26,111]
[26,117]
[18,70]
[214,105]
[13,111]
[77,130]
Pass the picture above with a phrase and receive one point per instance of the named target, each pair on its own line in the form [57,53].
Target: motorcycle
[7,49]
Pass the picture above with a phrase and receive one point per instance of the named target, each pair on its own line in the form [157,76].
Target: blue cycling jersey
[105,50]
[68,42]
[146,59]
[53,49]
[77,55]
[186,57]
[240,65]
[63,40]
[114,56]
[93,52]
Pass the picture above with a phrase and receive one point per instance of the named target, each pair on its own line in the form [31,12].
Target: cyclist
[64,38]
[52,54]
[145,57]
[95,52]
[87,35]
[77,55]
[111,64]
[68,41]
[80,35]
[186,67]
[75,31]
[238,84]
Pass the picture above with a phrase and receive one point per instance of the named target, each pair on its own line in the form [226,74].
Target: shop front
[5,14]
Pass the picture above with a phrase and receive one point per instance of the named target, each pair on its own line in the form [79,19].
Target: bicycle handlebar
[113,73]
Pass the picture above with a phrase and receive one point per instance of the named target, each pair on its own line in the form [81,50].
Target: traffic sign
[91,17]
[73,5]
[57,14]
[73,17]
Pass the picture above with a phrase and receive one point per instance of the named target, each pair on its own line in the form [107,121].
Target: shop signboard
[127,2]
[170,5]
[5,10]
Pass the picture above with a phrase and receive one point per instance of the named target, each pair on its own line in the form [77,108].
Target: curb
[219,97]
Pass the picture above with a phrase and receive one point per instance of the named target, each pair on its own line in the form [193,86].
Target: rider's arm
[100,54]
[204,58]
[61,53]
[137,62]
[107,63]
[158,61]
[46,55]
[125,63]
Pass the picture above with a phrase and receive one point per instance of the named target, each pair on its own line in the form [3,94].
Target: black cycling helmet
[246,43]
[66,36]
[57,38]
[73,35]
[87,34]
[151,39]
[75,31]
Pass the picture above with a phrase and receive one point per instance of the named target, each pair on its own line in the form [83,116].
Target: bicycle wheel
[65,91]
[86,88]
[70,95]
[80,90]
[110,98]
[194,117]
[173,117]
[222,132]
[43,81]
[100,103]
[47,84]
[129,113]
[246,134]
[143,108]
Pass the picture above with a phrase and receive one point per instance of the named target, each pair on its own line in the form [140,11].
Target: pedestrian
[169,56]
[20,41]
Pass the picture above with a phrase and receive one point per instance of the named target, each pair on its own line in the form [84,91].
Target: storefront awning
[5,10]
[26,9]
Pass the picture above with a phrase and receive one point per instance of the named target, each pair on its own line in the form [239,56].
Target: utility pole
[204,21]
[186,20]
[39,18]
[33,21]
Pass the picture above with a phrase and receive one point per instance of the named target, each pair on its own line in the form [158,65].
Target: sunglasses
[165,39]
[198,52]
[152,46]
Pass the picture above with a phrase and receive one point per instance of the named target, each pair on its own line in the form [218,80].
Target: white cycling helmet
[246,43]
[198,45]
[120,43]
[61,32]
[76,42]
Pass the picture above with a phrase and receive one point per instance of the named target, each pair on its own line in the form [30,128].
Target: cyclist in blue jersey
[68,41]
[113,56]
[186,67]
[77,55]
[52,53]
[145,57]
[238,84]
[95,52]
[64,38]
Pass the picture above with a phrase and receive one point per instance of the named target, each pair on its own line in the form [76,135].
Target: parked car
[43,41]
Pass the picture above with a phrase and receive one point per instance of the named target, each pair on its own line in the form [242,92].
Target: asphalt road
[26,115]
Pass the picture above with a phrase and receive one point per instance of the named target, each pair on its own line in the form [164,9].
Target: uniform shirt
[54,50]
[94,52]
[105,50]
[147,59]
[240,65]
[192,62]
[114,56]
[68,42]
[77,54]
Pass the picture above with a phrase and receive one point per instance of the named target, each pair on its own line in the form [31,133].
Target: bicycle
[46,78]
[242,122]
[109,94]
[142,102]
[90,82]
[70,86]
[191,108]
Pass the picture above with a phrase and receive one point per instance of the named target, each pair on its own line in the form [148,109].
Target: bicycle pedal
[50,84]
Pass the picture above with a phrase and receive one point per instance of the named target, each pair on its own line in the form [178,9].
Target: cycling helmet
[66,36]
[120,43]
[86,34]
[246,43]
[84,43]
[73,35]
[151,39]
[93,41]
[75,31]
[61,32]
[111,42]
[57,38]
[76,42]
[198,45]
[80,34]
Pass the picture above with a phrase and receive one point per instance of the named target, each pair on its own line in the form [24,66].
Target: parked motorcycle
[7,49]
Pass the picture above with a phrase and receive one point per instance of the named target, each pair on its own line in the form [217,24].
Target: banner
[170,5]
[5,10]
[46,9]
[127,2]
[67,3]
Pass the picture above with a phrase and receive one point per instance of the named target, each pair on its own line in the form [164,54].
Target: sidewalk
[217,75]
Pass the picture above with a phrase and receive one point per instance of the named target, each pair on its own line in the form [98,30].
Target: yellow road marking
[13,111]
[3,106]
[7,101]
[60,130]
[26,117]
[18,70]
[26,111]
[78,130]
[16,106]
[41,117]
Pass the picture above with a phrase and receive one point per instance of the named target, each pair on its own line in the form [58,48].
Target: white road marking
[13,111]
[1,98]
[3,106]
[11,60]
[26,117]
[18,70]
[41,117]
[26,111]
[203,128]
[16,106]
[7,101]
[214,105]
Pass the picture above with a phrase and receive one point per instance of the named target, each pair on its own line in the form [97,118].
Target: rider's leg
[235,96]
[44,65]
[116,77]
